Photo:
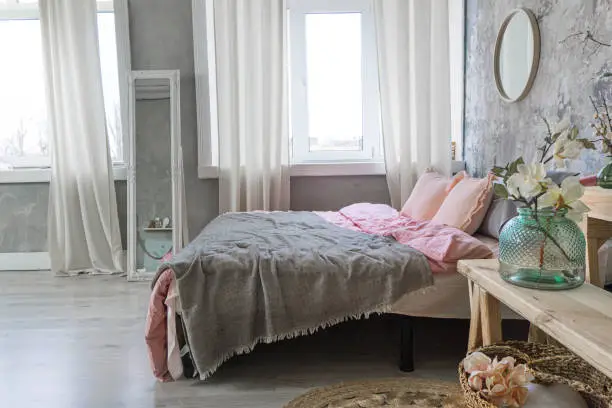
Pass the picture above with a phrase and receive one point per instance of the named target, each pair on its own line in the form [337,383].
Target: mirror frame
[173,77]
[535,29]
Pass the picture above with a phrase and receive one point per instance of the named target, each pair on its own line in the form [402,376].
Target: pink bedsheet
[156,329]
[442,245]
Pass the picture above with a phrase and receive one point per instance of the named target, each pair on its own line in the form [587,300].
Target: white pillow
[553,396]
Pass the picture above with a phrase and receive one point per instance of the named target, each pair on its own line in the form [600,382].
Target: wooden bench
[580,319]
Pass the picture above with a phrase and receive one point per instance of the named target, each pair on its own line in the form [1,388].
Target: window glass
[334,81]
[24,139]
[23,124]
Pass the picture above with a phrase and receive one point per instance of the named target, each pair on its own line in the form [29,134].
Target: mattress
[448,297]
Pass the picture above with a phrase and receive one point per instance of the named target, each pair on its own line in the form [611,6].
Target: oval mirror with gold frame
[517,55]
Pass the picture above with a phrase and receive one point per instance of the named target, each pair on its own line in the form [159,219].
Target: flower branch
[602,126]
[529,185]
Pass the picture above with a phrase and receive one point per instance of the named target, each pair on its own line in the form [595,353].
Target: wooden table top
[599,201]
[580,319]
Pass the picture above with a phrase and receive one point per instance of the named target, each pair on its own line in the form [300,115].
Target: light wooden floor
[78,342]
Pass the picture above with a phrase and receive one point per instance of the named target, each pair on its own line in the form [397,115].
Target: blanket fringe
[296,333]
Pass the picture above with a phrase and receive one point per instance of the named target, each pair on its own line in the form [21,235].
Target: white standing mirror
[155,187]
[517,55]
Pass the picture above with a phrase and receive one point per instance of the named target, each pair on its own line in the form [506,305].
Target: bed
[173,340]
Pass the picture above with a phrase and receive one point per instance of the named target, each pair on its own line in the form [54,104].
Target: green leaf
[498,171]
[574,133]
[513,167]
[500,190]
[587,144]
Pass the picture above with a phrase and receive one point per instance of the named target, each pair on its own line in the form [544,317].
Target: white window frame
[206,96]
[371,151]
[205,72]
[34,169]
[456,16]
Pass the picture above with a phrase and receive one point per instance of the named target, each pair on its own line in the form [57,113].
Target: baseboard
[24,261]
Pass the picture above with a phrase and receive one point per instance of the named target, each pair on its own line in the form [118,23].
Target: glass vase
[604,177]
[542,250]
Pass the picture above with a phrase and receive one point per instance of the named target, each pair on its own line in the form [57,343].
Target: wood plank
[597,233]
[599,200]
[475,337]
[592,260]
[597,228]
[79,342]
[490,319]
[580,319]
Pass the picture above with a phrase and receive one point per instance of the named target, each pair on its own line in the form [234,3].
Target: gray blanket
[261,277]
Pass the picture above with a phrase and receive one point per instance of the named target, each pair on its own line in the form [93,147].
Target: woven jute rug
[392,392]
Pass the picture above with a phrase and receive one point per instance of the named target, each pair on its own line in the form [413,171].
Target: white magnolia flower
[561,127]
[577,211]
[527,183]
[566,148]
[568,194]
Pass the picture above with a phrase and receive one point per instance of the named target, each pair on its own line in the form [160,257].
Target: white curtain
[414,78]
[251,61]
[83,223]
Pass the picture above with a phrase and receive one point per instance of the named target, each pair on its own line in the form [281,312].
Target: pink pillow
[466,205]
[428,195]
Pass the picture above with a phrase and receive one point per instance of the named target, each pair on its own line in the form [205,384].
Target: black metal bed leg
[406,344]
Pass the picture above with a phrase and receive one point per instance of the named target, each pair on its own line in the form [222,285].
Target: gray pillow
[557,176]
[500,211]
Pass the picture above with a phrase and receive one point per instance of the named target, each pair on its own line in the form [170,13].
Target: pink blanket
[156,330]
[442,245]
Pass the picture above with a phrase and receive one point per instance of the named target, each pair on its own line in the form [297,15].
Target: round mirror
[517,55]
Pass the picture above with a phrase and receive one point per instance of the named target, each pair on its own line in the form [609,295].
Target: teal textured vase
[604,177]
[542,250]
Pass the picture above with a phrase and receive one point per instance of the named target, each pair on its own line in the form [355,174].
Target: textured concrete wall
[496,131]
[23,217]
[161,37]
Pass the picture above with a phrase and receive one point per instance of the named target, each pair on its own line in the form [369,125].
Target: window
[457,61]
[24,140]
[335,114]
[333,76]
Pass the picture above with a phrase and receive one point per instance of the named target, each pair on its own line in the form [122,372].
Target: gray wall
[161,38]
[496,131]
[23,217]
